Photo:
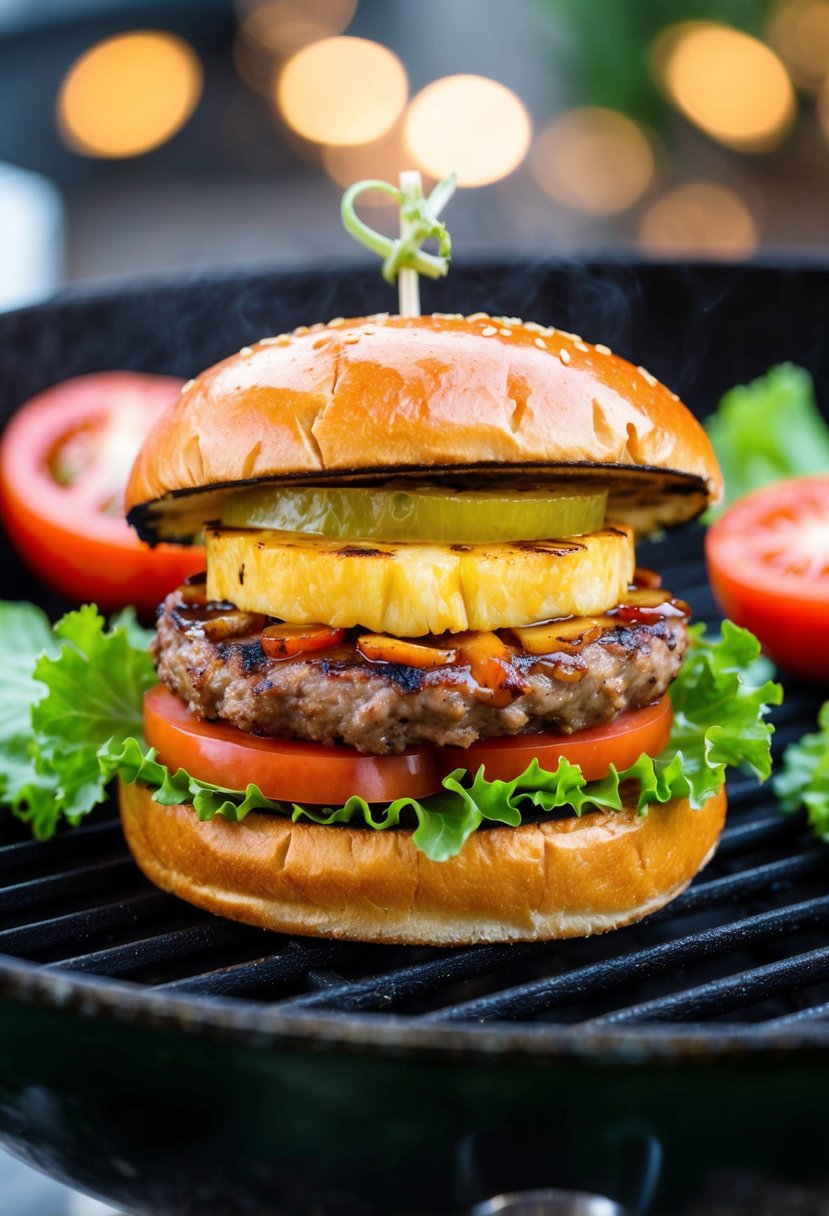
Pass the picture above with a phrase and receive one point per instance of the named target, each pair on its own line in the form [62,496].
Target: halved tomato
[64,461]
[768,560]
[296,771]
[620,742]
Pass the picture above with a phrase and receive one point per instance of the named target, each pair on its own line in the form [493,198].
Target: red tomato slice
[768,560]
[64,461]
[308,772]
[287,769]
[620,742]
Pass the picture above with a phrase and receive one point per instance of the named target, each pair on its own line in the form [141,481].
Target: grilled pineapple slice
[411,589]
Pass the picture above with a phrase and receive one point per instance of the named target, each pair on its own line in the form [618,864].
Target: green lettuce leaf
[803,780]
[26,633]
[83,701]
[769,429]
[78,686]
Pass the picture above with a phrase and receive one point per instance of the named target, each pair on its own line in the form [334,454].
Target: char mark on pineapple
[337,696]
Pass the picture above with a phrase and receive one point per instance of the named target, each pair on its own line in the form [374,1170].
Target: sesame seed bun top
[440,397]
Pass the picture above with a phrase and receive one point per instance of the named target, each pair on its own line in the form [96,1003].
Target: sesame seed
[488,331]
[478,316]
[316,327]
[246,350]
[549,331]
[352,339]
[601,349]
[185,388]
[283,340]
[541,344]
[268,342]
[506,333]
[646,375]
[336,322]
[572,337]
[533,327]
[582,346]
[368,330]
[379,317]
[564,355]
[514,321]
[675,396]
[301,331]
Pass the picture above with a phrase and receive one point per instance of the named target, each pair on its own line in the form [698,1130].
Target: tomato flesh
[768,561]
[64,460]
[288,769]
[297,771]
[620,742]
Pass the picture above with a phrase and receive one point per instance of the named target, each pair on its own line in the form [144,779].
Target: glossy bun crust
[428,397]
[560,878]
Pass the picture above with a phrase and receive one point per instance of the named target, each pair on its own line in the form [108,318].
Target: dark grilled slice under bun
[433,397]
[560,878]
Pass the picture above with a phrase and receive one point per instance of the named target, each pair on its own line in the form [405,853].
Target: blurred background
[145,136]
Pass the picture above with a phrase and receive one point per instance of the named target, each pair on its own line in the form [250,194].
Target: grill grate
[742,949]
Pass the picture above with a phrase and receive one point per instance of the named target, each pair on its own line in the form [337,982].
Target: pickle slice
[421,513]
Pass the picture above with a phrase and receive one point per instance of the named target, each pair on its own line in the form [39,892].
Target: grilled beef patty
[337,696]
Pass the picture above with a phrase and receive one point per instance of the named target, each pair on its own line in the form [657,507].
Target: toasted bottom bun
[563,878]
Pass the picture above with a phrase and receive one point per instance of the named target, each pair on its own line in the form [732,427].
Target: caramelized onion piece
[568,673]
[645,597]
[216,620]
[642,577]
[193,592]
[649,604]
[381,648]
[491,666]
[285,641]
[569,633]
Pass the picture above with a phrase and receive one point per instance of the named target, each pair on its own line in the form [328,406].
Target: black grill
[177,1064]
[743,947]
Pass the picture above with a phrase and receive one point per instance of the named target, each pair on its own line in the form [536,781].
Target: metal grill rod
[182,943]
[289,965]
[76,844]
[59,930]
[621,970]
[89,879]
[719,996]
[811,1014]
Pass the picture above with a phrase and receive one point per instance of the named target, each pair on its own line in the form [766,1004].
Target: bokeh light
[799,32]
[732,86]
[823,108]
[129,94]
[283,26]
[699,219]
[594,160]
[342,91]
[470,124]
[383,158]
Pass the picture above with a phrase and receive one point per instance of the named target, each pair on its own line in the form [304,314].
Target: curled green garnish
[419,222]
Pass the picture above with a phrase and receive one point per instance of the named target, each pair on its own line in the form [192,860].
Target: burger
[423,680]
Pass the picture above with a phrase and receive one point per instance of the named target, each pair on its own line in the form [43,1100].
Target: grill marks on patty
[337,696]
